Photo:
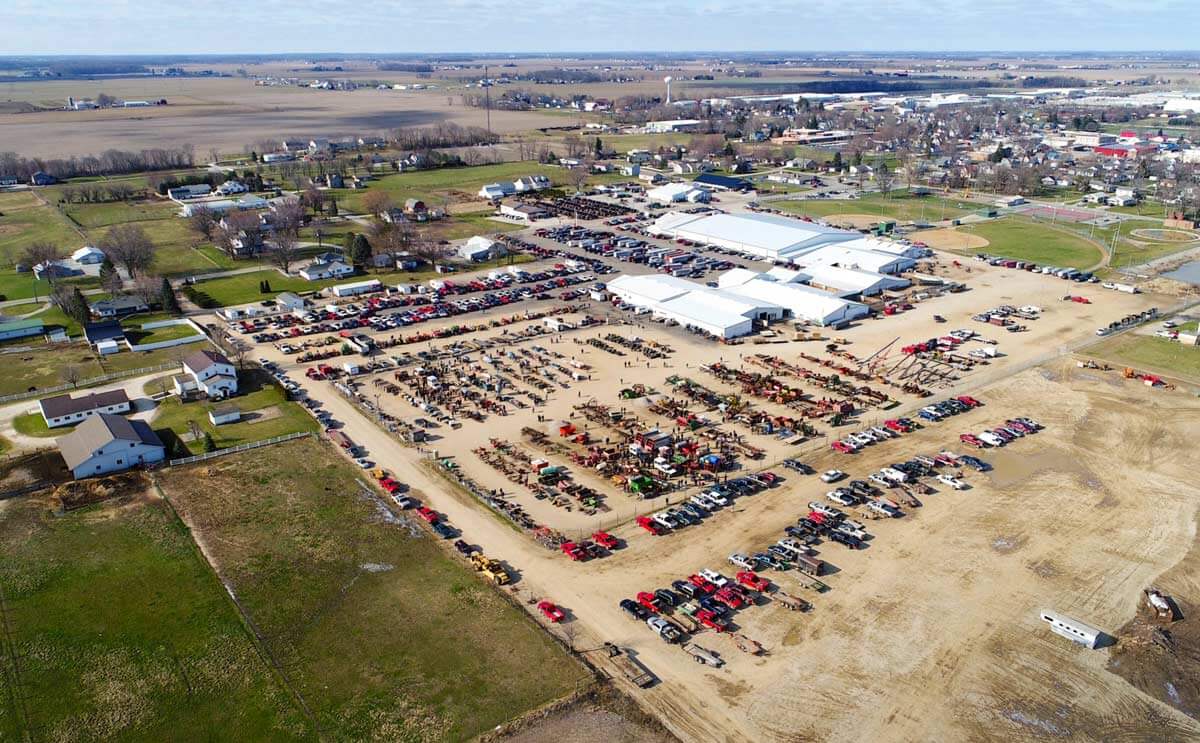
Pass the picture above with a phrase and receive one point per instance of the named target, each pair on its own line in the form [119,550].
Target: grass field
[898,207]
[266,413]
[1023,239]
[244,288]
[15,310]
[15,285]
[159,335]
[24,219]
[1150,354]
[381,633]
[33,424]
[43,365]
[121,632]
[452,183]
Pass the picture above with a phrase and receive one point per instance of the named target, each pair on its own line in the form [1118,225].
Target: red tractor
[551,612]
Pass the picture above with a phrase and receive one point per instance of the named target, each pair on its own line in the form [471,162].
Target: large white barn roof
[852,280]
[803,302]
[756,234]
[867,260]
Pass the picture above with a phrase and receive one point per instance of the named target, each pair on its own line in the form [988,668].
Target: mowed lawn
[1150,353]
[243,288]
[24,220]
[120,631]
[266,413]
[175,252]
[382,633]
[1026,240]
[900,207]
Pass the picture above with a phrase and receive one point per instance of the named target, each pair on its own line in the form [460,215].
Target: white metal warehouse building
[801,302]
[760,235]
[721,313]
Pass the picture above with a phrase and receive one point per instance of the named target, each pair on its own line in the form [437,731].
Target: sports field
[1021,239]
[896,207]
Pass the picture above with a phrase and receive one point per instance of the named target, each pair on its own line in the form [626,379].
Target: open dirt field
[227,113]
[943,604]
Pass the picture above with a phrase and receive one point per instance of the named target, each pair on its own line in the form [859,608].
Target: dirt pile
[80,493]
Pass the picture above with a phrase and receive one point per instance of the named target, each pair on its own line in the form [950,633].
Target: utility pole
[487,94]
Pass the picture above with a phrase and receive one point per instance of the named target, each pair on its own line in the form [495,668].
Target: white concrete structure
[208,372]
[1072,629]
[760,235]
[109,443]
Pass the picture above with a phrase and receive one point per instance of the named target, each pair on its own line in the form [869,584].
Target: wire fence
[238,448]
[89,382]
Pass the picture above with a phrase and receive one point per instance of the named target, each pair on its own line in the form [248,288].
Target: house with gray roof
[109,443]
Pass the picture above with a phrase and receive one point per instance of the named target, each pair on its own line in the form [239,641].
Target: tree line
[109,162]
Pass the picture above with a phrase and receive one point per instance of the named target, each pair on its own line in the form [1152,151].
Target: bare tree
[577,177]
[238,353]
[430,250]
[289,216]
[41,251]
[284,252]
[884,178]
[70,375]
[147,288]
[378,203]
[128,246]
[202,221]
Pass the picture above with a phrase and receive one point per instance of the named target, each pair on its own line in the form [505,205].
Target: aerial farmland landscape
[473,373]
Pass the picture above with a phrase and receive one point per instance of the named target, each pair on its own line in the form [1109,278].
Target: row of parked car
[695,509]
[1070,274]
[1013,429]
[707,597]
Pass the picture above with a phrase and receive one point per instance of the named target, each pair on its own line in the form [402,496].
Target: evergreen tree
[77,308]
[170,303]
[109,278]
[837,162]
[360,251]
[209,444]
[599,148]
[348,243]
[333,208]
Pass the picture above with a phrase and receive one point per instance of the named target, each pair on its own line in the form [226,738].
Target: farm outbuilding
[721,313]
[799,301]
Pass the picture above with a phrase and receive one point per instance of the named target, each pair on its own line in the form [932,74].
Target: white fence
[89,382]
[239,447]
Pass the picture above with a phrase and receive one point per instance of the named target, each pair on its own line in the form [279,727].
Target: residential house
[321,270]
[208,372]
[125,304]
[229,188]
[416,210]
[109,443]
[55,270]
[64,410]
[294,145]
[372,142]
[104,336]
[42,179]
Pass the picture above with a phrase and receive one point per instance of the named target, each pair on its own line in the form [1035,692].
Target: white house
[208,372]
[87,255]
[320,270]
[64,410]
[480,248]
[229,188]
[109,443]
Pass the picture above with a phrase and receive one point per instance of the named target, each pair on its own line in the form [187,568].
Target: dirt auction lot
[931,633]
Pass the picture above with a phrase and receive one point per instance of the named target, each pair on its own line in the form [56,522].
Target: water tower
[667,80]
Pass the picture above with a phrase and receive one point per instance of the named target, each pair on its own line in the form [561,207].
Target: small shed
[106,347]
[1072,629]
[224,414]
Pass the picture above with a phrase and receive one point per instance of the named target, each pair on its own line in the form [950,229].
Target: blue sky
[279,26]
